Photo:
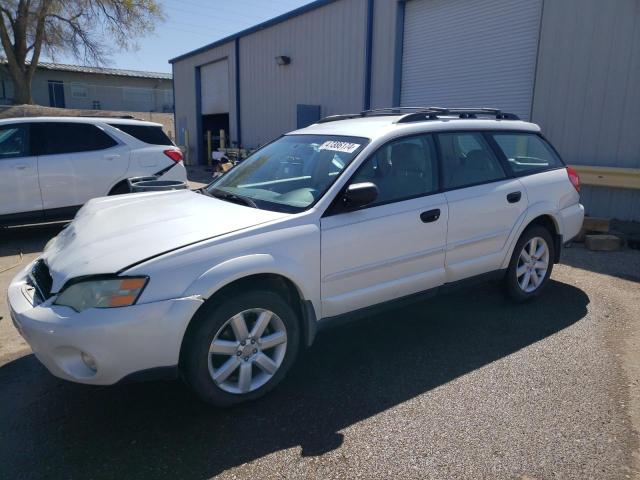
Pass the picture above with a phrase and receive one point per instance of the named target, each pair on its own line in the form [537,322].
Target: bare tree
[88,30]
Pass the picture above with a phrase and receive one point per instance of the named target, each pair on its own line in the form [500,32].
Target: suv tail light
[574,178]
[173,154]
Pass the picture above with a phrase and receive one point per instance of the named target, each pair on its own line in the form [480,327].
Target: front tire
[240,348]
[531,264]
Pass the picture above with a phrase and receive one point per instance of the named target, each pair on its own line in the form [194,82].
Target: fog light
[89,361]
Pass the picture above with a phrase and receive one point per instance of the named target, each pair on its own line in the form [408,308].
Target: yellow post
[209,147]
[186,148]
[222,139]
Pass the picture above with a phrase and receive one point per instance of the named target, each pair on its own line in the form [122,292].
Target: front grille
[41,279]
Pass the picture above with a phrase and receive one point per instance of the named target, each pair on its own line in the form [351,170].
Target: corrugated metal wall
[326,47]
[384,50]
[587,95]
[184,84]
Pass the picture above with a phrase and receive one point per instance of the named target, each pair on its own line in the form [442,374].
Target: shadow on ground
[624,263]
[49,428]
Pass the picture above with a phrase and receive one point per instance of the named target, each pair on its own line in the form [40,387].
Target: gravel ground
[466,385]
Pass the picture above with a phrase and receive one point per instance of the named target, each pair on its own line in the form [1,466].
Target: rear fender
[533,211]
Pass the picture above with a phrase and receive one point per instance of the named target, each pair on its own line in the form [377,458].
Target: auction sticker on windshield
[335,146]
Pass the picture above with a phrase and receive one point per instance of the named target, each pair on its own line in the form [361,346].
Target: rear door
[19,188]
[77,162]
[484,204]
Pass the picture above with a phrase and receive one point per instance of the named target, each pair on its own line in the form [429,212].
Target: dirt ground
[466,385]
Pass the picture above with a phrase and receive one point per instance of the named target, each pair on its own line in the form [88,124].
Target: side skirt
[331,322]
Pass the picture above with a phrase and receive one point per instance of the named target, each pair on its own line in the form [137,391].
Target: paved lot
[463,386]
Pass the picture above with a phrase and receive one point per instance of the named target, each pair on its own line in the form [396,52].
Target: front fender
[237,268]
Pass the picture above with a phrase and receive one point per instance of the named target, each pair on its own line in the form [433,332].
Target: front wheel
[531,264]
[240,348]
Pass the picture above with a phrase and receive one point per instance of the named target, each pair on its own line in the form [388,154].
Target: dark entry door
[56,94]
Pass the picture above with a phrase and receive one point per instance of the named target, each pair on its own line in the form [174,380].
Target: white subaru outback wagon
[226,284]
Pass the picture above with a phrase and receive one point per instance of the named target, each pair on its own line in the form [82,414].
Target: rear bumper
[121,341]
[571,219]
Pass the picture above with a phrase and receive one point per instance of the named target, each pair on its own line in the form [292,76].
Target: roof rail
[418,114]
[433,113]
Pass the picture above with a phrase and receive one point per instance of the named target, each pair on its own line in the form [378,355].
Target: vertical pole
[209,147]
[186,148]
[222,139]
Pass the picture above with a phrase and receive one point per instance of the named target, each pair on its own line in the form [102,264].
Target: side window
[467,159]
[526,152]
[13,141]
[60,137]
[402,169]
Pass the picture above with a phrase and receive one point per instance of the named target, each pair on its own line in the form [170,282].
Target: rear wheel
[240,348]
[531,264]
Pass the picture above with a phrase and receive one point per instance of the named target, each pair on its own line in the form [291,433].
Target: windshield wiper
[231,197]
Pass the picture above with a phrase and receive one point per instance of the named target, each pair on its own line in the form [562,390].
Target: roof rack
[433,113]
[419,114]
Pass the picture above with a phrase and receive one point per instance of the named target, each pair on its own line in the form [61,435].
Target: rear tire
[531,264]
[240,348]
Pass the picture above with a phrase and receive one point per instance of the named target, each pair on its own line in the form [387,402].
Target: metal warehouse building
[573,66]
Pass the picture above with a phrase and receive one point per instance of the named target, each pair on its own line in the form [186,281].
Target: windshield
[289,174]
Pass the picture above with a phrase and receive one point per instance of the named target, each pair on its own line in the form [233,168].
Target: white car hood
[111,233]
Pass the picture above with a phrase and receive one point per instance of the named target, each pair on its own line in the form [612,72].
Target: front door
[19,188]
[484,205]
[395,246]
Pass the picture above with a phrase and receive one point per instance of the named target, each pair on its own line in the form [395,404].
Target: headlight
[102,293]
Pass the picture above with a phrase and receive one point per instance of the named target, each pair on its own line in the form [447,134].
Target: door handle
[430,215]
[111,157]
[514,197]
[20,167]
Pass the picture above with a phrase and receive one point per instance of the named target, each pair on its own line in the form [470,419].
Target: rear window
[145,133]
[60,137]
[527,152]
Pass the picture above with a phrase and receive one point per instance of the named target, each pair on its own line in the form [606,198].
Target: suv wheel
[240,348]
[531,264]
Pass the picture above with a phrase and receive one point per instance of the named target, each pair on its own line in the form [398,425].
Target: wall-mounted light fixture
[283,60]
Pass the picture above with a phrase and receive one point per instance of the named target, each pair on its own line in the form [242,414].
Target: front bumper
[121,341]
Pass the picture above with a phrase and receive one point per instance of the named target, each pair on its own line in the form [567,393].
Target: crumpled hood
[111,233]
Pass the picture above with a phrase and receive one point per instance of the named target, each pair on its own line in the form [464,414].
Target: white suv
[50,166]
[226,284]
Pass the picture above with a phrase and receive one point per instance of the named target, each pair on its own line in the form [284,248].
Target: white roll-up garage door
[463,53]
[214,87]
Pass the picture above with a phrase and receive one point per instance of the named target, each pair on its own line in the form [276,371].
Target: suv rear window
[145,133]
[527,152]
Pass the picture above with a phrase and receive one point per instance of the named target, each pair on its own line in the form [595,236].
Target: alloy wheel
[533,264]
[247,350]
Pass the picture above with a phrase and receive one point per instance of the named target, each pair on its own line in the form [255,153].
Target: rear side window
[527,152]
[145,133]
[59,137]
[13,141]
[467,159]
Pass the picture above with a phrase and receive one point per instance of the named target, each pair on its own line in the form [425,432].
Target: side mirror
[358,195]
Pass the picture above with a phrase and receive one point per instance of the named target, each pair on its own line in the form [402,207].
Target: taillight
[175,155]
[574,178]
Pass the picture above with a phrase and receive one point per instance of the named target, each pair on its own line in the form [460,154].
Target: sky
[190,24]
